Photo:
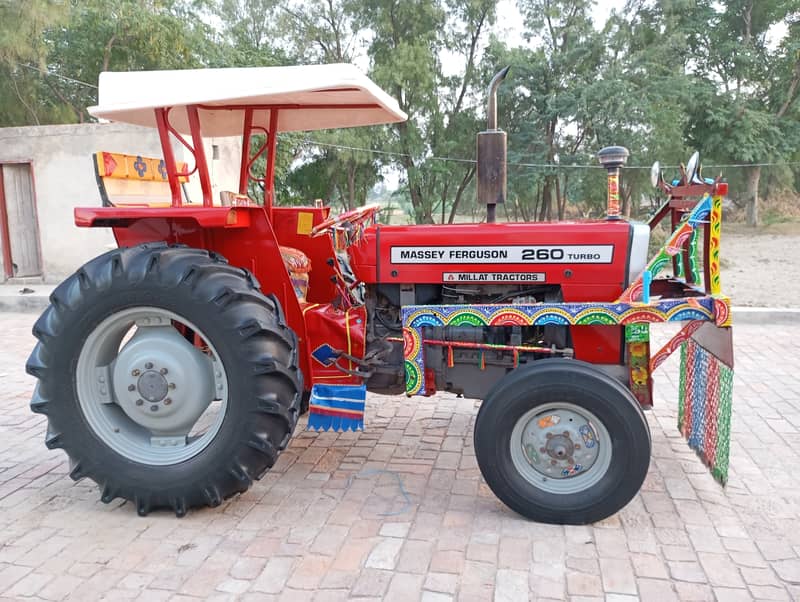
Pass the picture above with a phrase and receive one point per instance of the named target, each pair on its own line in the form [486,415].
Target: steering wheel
[354,216]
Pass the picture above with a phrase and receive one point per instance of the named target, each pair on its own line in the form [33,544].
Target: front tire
[166,376]
[561,442]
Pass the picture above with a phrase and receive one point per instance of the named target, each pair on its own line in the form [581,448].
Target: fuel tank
[590,261]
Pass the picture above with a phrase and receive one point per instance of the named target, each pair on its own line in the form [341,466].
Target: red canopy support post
[244,169]
[272,138]
[199,154]
[169,156]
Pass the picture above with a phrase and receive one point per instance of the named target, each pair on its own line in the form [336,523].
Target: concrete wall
[63,173]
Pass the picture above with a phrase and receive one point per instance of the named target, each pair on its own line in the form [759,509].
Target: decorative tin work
[639,290]
[416,317]
[704,407]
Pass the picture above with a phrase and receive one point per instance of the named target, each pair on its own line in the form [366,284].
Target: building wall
[61,158]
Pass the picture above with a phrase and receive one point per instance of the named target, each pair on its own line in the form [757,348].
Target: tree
[408,39]
[22,57]
[78,40]
[248,32]
[745,91]
[323,31]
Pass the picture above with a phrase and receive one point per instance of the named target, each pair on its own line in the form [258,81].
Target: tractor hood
[589,260]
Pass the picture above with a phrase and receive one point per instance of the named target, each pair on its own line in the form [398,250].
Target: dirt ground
[759,266]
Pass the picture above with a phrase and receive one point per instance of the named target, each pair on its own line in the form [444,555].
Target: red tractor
[173,369]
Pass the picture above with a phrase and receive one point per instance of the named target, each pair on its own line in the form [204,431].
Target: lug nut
[172,385]
[139,402]
[149,365]
[135,372]
[154,408]
[167,401]
[163,371]
[131,387]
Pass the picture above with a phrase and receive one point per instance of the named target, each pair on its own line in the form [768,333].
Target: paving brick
[514,553]
[29,585]
[617,574]
[447,562]
[511,585]
[394,529]
[693,592]
[404,587]
[274,576]
[656,589]
[384,554]
[428,596]
[769,592]
[415,557]
[582,584]
[687,571]
[683,537]
[371,582]
[721,570]
[446,583]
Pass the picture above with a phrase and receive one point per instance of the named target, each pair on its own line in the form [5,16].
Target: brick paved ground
[330,522]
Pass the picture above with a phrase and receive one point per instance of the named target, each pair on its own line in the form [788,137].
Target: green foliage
[662,77]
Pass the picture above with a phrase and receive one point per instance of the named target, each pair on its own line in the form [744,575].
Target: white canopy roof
[130,97]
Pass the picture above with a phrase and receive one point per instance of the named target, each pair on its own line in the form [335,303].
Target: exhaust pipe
[491,153]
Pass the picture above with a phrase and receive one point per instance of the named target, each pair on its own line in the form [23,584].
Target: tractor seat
[298,265]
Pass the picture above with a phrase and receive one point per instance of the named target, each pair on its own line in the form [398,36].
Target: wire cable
[58,75]
[554,166]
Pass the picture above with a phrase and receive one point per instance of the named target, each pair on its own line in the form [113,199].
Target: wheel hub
[162,381]
[152,386]
[559,443]
[559,447]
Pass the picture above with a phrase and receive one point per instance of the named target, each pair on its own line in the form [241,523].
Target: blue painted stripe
[699,398]
[318,422]
[338,404]
[349,392]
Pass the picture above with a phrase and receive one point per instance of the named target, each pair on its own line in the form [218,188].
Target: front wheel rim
[102,398]
[561,448]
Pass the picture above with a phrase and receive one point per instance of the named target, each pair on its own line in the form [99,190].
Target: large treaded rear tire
[538,390]
[247,330]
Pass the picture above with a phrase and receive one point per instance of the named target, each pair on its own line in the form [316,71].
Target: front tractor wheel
[166,376]
[561,442]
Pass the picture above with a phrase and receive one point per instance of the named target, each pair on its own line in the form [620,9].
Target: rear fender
[243,235]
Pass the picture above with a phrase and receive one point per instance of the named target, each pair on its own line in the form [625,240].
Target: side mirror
[655,174]
[692,168]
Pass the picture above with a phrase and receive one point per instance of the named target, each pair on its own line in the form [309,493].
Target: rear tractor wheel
[561,442]
[166,376]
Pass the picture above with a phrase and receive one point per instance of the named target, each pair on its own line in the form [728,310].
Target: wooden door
[19,226]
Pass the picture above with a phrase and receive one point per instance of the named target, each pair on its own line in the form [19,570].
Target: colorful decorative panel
[704,406]
[134,167]
[416,317]
[337,407]
[639,290]
[637,341]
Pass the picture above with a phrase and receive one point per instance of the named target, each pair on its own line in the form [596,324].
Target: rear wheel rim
[561,448]
[110,420]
